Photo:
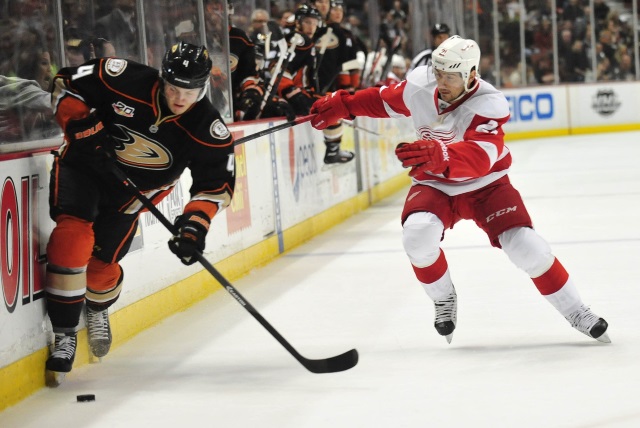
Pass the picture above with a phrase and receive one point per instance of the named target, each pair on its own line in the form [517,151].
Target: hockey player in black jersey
[154,125]
[247,86]
[340,47]
[297,85]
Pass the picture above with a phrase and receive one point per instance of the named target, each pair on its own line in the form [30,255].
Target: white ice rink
[513,362]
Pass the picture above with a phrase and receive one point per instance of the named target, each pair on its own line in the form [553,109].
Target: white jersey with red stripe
[471,128]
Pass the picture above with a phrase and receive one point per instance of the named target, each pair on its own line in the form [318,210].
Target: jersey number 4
[85,70]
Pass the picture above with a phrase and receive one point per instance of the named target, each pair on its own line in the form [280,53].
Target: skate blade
[330,166]
[604,338]
[95,360]
[54,379]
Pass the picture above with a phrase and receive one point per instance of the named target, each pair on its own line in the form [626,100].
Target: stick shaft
[329,365]
[273,129]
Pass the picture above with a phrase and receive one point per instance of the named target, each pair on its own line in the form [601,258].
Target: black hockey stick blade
[339,363]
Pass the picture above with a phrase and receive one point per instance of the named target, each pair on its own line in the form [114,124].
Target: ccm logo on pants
[501,212]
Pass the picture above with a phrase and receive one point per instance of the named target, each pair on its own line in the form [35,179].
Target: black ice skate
[586,322]
[61,359]
[99,332]
[446,315]
[335,156]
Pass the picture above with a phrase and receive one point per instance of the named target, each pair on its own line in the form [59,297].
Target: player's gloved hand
[330,109]
[299,99]
[88,139]
[88,134]
[249,104]
[283,108]
[192,231]
[424,156]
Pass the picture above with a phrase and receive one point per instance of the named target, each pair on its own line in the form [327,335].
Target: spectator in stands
[624,70]
[119,26]
[575,64]
[600,11]
[79,51]
[543,36]
[604,69]
[259,19]
[543,69]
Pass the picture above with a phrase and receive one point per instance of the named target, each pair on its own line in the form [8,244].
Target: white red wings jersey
[471,128]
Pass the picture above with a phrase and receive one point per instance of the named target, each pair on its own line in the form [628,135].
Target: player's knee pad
[104,283]
[421,235]
[71,242]
[527,250]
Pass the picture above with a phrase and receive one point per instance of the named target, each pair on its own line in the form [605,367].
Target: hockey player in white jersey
[459,167]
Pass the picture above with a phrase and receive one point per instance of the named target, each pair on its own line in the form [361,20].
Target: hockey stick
[316,69]
[397,44]
[296,121]
[363,73]
[354,126]
[281,67]
[338,363]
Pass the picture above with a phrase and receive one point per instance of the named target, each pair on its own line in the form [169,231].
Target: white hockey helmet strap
[457,55]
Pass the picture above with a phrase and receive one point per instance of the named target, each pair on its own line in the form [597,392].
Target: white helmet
[399,61]
[457,55]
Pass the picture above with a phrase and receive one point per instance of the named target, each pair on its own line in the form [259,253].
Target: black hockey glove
[192,231]
[249,104]
[299,99]
[283,108]
[87,141]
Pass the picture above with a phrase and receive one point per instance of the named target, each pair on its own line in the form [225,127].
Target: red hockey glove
[330,109]
[192,231]
[423,156]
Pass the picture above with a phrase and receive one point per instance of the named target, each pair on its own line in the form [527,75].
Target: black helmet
[186,65]
[306,11]
[440,28]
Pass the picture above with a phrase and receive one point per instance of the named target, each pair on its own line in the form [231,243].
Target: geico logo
[501,212]
[529,107]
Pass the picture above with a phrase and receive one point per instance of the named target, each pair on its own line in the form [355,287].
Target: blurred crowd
[609,45]
[32,52]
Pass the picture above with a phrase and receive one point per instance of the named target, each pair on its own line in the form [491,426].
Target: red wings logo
[428,133]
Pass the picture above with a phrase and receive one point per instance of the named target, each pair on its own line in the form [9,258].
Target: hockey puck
[85,397]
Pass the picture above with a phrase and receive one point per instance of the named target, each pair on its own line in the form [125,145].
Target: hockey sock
[558,288]
[435,278]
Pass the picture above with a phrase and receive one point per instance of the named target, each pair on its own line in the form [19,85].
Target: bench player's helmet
[440,28]
[307,11]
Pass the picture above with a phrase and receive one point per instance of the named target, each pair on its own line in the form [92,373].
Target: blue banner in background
[531,107]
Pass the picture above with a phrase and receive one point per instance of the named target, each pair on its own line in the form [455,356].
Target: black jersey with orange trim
[299,70]
[153,146]
[341,48]
[242,52]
